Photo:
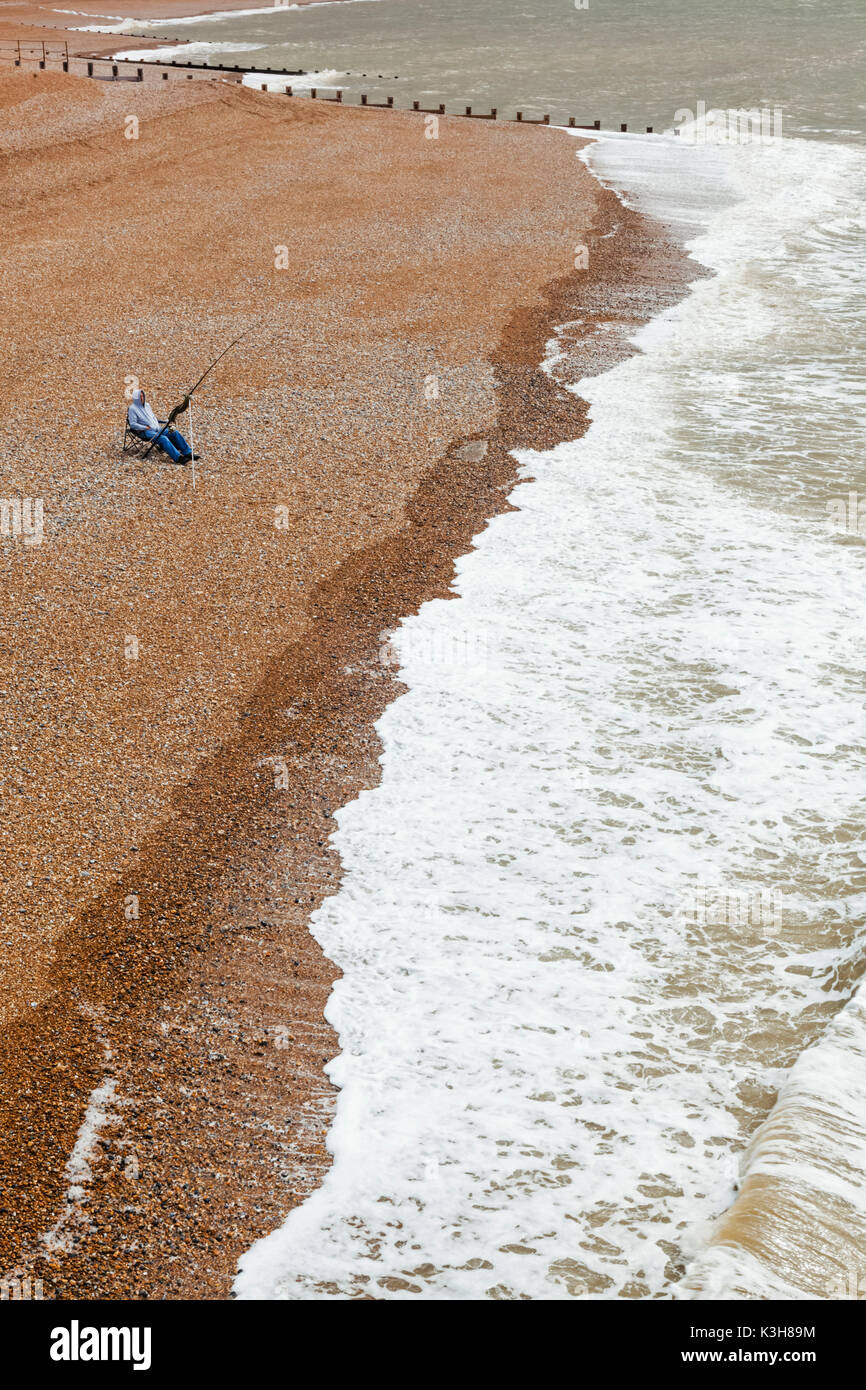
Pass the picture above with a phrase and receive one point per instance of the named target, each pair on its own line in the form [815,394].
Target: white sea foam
[549,1060]
[125,26]
[323,81]
[187,50]
[207,18]
[100,1116]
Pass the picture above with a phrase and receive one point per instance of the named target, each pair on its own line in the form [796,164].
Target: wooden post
[288,91]
[313,93]
[390,102]
[165,77]
[363,98]
[339,96]
[520,115]
[469,110]
[623,127]
[596,125]
[140,74]
[649,130]
[493,113]
[89,69]
[114,71]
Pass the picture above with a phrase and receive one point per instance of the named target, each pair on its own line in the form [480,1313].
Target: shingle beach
[190,677]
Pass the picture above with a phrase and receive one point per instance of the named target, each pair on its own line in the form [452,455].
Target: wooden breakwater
[109,70]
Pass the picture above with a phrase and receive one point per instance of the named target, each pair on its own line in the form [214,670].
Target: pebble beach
[191,675]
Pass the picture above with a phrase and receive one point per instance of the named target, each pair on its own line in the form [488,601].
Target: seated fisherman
[144,423]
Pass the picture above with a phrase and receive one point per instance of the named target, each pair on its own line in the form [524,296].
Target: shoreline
[29,22]
[20,11]
[191,1034]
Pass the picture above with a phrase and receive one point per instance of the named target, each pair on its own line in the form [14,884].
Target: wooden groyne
[109,70]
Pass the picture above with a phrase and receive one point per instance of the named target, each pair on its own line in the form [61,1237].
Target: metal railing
[21,52]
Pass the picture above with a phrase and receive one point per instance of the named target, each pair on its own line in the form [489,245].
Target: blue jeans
[170,441]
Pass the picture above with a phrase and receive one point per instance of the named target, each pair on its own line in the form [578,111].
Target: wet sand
[191,677]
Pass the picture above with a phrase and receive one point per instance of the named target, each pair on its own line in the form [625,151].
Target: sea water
[611,887]
[610,60]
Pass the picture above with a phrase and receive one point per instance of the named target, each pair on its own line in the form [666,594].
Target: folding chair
[133,443]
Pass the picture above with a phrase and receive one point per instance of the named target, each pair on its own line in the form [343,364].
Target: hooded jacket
[139,415]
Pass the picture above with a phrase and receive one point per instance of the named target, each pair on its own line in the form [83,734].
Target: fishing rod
[184,405]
